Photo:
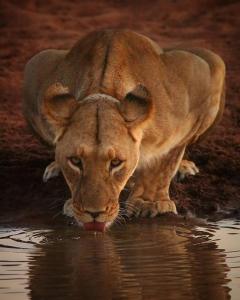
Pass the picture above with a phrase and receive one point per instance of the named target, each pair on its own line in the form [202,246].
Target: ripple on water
[136,261]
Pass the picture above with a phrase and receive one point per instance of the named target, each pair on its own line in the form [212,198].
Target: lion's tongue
[94,226]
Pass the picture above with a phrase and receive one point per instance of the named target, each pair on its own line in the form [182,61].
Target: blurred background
[27,27]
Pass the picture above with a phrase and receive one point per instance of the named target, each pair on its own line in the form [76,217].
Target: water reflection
[136,261]
[139,262]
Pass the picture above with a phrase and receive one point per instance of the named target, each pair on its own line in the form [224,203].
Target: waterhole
[151,260]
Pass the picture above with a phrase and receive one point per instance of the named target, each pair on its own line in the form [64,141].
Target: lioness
[115,105]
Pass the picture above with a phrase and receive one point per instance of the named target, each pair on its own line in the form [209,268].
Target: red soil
[27,27]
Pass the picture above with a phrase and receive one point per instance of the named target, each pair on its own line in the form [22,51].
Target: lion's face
[97,150]
[97,155]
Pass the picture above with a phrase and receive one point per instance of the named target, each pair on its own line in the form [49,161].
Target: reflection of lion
[116,104]
[151,263]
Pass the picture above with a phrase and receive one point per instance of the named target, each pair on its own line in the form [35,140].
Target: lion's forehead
[101,151]
[92,131]
[97,136]
[97,130]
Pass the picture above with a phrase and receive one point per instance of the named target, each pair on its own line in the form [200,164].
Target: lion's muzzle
[89,219]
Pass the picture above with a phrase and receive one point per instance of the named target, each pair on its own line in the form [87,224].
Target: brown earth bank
[27,27]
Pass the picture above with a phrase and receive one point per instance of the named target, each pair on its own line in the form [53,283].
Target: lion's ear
[58,106]
[136,105]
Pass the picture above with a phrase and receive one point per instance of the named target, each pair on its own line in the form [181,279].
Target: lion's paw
[186,168]
[139,207]
[68,208]
[51,171]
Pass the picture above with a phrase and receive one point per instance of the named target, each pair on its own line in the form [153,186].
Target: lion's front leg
[52,170]
[186,168]
[68,208]
[150,195]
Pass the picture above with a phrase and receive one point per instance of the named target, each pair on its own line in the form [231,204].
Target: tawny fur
[117,95]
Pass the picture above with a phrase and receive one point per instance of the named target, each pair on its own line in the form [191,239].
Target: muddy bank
[27,27]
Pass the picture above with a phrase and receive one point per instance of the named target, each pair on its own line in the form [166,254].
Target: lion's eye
[115,163]
[76,162]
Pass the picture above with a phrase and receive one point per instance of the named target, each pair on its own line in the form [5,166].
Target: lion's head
[97,146]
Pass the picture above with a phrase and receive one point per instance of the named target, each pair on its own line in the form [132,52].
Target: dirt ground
[27,27]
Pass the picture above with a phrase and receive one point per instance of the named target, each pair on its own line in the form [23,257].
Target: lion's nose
[94,214]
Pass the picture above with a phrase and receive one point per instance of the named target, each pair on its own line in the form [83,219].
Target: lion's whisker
[57,214]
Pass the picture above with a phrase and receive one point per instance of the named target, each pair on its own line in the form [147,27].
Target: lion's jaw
[97,135]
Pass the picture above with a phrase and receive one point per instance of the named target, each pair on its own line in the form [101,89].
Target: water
[147,260]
